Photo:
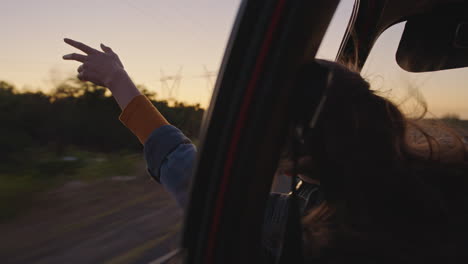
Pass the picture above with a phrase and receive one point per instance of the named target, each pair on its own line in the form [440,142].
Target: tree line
[76,114]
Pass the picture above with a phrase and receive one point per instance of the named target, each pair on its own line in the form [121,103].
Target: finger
[86,49]
[106,49]
[81,68]
[76,57]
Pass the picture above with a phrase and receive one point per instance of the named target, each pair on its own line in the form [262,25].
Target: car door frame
[246,126]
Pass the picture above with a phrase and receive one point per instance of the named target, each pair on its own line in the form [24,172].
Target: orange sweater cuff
[142,118]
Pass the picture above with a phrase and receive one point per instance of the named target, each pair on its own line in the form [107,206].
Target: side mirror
[435,41]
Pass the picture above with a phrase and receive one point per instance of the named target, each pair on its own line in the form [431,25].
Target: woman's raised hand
[104,68]
[98,67]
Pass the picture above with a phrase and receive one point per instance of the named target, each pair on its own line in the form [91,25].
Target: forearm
[168,152]
[138,113]
[123,89]
[142,117]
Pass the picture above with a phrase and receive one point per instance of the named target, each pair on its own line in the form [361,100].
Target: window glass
[336,31]
[73,182]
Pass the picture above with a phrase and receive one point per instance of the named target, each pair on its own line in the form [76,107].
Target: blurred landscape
[73,183]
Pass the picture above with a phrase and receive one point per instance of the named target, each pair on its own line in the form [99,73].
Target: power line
[170,85]
[209,76]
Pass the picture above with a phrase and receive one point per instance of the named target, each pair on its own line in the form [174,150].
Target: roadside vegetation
[70,134]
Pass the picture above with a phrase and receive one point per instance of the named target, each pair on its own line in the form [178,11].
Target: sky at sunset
[150,35]
[446,92]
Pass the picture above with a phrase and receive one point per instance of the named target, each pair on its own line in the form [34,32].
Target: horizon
[151,37]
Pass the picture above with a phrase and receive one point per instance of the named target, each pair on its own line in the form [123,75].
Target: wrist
[118,76]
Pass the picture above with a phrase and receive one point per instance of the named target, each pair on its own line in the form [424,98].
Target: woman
[384,199]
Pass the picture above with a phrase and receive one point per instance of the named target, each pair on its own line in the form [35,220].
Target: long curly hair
[389,198]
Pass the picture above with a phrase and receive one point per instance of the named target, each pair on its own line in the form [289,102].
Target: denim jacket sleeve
[170,158]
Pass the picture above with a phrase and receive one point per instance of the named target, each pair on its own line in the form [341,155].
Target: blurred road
[110,221]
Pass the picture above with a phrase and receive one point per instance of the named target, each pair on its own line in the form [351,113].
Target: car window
[73,182]
[429,95]
[336,31]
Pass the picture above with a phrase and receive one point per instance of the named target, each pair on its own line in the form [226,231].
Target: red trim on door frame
[240,123]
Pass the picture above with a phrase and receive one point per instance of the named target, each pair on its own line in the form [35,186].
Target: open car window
[428,95]
[73,182]
[337,31]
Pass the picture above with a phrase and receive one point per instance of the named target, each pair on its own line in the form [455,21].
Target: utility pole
[170,85]
[209,77]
